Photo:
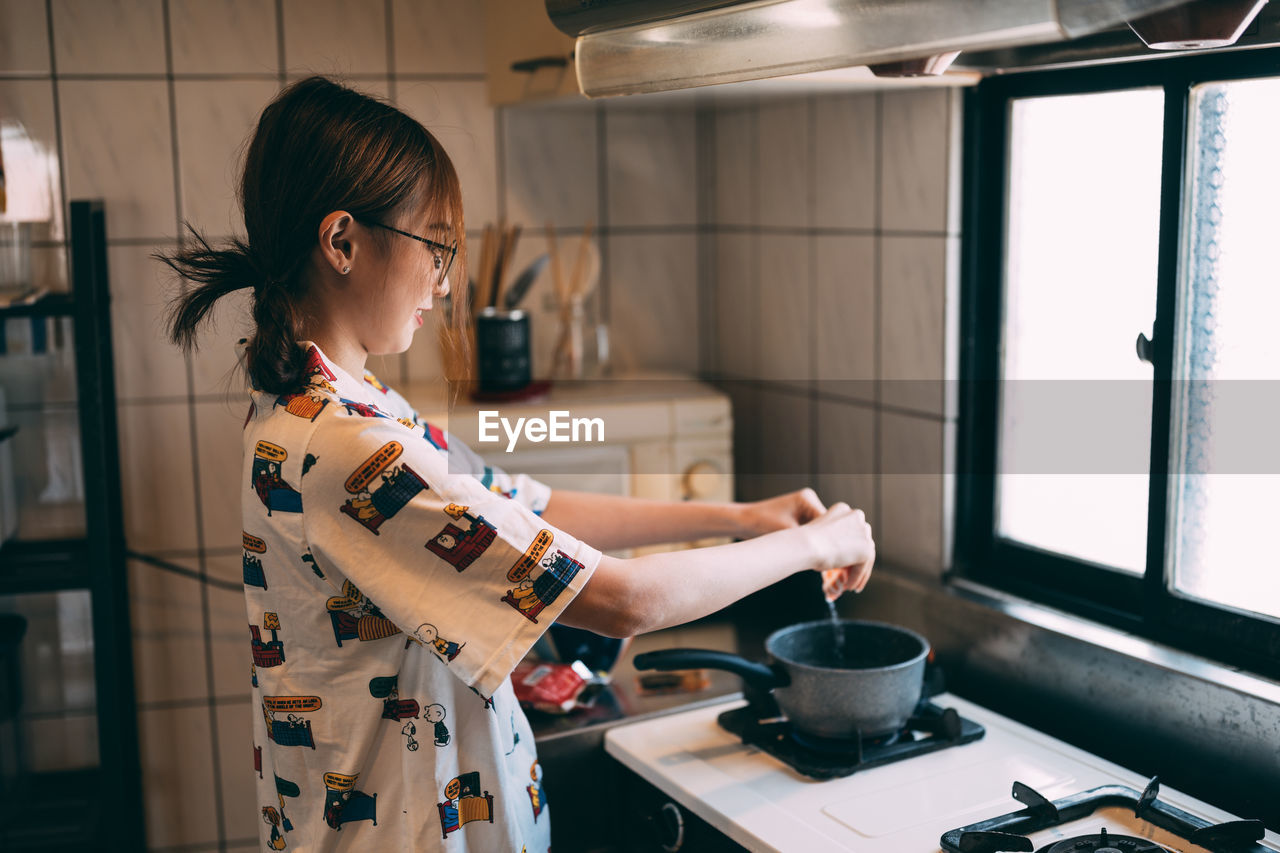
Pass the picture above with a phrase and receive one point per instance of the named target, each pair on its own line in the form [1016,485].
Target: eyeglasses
[443,255]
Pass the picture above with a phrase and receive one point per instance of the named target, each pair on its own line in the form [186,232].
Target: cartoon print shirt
[392,581]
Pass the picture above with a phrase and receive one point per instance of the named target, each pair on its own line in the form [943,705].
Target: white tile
[177,776]
[654,301]
[155,467]
[915,142]
[551,166]
[109,36]
[24,36]
[228,566]
[117,146]
[438,37]
[785,164]
[458,115]
[785,320]
[167,622]
[652,166]
[241,811]
[335,37]
[215,121]
[846,456]
[229,641]
[785,441]
[38,191]
[736,318]
[215,370]
[147,365]
[845,161]
[220,454]
[913,296]
[910,529]
[735,165]
[844,315]
[223,37]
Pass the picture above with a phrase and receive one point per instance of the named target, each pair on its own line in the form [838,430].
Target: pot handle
[758,675]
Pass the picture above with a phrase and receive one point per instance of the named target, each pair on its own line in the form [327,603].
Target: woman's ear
[336,244]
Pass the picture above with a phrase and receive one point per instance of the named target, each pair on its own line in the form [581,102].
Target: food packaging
[554,688]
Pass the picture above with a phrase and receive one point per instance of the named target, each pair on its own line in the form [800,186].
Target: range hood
[637,46]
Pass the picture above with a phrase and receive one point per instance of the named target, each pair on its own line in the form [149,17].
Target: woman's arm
[628,597]
[614,521]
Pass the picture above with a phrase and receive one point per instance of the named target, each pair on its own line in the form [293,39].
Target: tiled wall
[149,103]
[802,248]
[835,226]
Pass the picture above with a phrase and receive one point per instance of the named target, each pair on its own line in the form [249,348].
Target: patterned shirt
[392,581]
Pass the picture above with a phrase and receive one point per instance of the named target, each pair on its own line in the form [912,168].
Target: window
[1119,441]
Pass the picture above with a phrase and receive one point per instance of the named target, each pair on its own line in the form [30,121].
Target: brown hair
[319,147]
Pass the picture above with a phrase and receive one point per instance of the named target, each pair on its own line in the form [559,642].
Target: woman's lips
[417,315]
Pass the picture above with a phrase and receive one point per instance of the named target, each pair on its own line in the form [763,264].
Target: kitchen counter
[571,747]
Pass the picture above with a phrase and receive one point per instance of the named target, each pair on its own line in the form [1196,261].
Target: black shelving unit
[100,807]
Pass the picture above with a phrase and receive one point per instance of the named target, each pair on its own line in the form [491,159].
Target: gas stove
[1011,788]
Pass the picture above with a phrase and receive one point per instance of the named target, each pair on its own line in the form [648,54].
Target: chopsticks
[497,249]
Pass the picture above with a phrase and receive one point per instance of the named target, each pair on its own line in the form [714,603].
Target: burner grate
[1009,832]
[930,729]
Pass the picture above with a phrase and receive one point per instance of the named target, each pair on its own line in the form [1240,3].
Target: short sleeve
[520,487]
[469,573]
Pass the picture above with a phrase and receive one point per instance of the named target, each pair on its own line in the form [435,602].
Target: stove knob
[670,825]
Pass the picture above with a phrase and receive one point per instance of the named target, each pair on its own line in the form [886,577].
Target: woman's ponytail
[215,273]
[275,362]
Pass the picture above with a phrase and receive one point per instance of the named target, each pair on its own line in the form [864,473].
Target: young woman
[400,578]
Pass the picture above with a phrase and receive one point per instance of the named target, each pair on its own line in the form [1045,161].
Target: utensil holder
[503,350]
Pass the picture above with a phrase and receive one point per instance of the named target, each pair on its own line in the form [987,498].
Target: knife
[522,284]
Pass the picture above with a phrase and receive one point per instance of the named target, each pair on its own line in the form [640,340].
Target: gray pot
[866,689]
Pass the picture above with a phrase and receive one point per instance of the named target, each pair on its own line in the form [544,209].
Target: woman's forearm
[615,521]
[628,597]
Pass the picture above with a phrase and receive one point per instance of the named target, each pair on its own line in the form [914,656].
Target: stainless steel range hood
[635,46]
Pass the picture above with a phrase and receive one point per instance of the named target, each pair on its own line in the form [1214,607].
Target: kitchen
[798,245]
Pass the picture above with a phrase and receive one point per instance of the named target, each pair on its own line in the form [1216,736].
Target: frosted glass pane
[1228,492]
[1080,284]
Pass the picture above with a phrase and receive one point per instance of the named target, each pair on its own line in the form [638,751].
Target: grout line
[64,204]
[603,287]
[282,74]
[202,574]
[811,189]
[877,310]
[201,702]
[388,16]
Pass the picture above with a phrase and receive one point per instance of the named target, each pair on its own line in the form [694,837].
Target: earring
[346,270]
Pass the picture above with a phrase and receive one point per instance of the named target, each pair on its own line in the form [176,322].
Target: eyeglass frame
[452,250]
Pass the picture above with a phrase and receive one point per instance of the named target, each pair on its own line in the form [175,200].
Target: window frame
[1141,605]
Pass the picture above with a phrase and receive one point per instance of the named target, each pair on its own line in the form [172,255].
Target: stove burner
[1009,832]
[1103,843]
[930,729]
[842,746]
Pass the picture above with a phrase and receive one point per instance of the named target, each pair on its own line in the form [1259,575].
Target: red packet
[550,687]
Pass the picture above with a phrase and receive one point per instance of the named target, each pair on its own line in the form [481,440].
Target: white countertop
[902,807]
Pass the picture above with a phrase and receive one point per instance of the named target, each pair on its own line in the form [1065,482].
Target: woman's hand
[778,513]
[846,551]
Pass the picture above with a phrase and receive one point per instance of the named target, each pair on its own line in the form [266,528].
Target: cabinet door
[526,57]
